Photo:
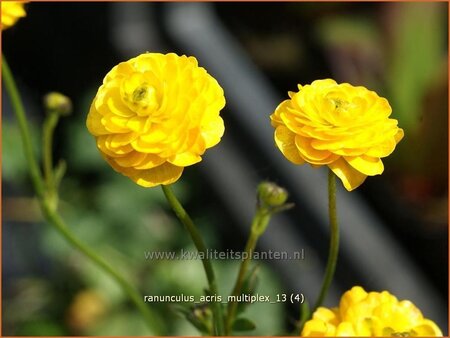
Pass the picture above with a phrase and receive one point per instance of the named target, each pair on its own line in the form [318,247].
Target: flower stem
[259,223]
[47,205]
[334,240]
[19,110]
[304,315]
[47,142]
[201,248]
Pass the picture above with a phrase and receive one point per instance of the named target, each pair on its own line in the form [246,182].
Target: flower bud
[201,317]
[55,102]
[203,313]
[271,194]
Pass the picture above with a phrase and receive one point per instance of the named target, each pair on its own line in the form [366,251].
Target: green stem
[47,143]
[19,110]
[334,241]
[304,316]
[49,211]
[201,248]
[259,224]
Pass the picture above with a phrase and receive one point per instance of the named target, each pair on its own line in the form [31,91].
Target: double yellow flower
[156,114]
[344,127]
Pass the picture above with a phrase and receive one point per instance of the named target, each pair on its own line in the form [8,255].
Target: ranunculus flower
[11,12]
[370,314]
[156,114]
[344,127]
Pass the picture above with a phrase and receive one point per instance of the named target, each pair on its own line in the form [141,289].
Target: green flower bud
[271,195]
[55,102]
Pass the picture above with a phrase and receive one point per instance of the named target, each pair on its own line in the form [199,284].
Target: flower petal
[317,328]
[212,130]
[312,155]
[350,177]
[367,165]
[164,174]
[427,328]
[285,140]
[400,133]
[345,329]
[184,159]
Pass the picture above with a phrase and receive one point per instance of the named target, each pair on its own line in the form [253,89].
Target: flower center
[145,96]
[340,105]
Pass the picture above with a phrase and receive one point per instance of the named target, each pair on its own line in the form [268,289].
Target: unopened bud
[202,313]
[271,194]
[55,102]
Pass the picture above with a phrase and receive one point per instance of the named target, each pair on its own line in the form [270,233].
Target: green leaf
[243,324]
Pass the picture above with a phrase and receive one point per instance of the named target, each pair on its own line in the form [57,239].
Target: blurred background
[394,227]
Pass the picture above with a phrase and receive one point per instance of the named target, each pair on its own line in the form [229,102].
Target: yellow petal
[155,135]
[136,123]
[130,160]
[164,174]
[316,328]
[116,106]
[285,140]
[366,165]
[400,133]
[184,159]
[104,145]
[145,147]
[350,151]
[118,140]
[428,329]
[345,329]
[93,123]
[350,177]
[212,131]
[383,149]
[140,160]
[351,297]
[326,315]
[312,155]
[150,161]
[115,124]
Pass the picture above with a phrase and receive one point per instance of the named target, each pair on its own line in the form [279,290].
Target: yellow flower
[370,314]
[345,127]
[156,114]
[11,12]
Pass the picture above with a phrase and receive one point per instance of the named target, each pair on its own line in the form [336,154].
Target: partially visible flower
[344,127]
[11,12]
[156,114]
[86,309]
[370,314]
